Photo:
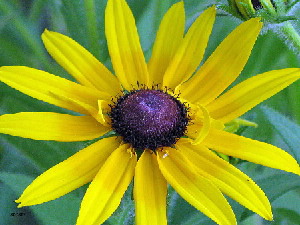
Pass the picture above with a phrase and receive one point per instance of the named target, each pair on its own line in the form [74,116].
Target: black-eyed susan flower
[173,134]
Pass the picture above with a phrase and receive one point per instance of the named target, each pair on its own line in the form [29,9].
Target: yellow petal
[51,126]
[89,108]
[168,38]
[80,63]
[251,150]
[224,65]
[195,189]
[103,111]
[205,126]
[191,51]
[150,191]
[68,175]
[124,45]
[104,194]
[50,88]
[227,178]
[200,122]
[251,92]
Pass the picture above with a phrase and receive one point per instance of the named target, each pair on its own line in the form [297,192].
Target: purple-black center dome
[149,119]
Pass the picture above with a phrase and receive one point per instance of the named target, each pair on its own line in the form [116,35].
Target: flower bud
[273,11]
[248,8]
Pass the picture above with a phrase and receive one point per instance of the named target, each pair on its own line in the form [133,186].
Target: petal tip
[179,4]
[20,206]
[211,11]
[269,216]
[213,8]
[46,32]
[297,171]
[20,203]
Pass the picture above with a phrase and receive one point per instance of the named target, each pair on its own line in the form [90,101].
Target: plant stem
[292,36]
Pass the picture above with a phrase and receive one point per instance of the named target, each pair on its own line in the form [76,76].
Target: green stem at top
[292,36]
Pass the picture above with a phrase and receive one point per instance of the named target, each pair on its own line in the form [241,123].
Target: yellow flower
[150,120]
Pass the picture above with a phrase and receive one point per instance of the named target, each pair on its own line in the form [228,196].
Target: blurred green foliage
[21,160]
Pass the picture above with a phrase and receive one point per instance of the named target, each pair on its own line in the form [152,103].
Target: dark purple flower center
[149,119]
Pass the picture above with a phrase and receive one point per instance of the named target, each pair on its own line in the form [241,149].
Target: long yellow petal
[224,65]
[104,194]
[229,179]
[168,38]
[68,175]
[50,88]
[251,92]
[124,45]
[80,63]
[191,51]
[51,126]
[251,150]
[195,189]
[150,192]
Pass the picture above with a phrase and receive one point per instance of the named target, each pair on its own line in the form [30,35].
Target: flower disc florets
[149,119]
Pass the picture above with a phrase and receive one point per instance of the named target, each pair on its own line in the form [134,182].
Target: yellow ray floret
[251,150]
[168,38]
[250,93]
[195,189]
[50,88]
[191,50]
[51,126]
[224,65]
[69,174]
[124,46]
[80,63]
[150,191]
[104,194]
[226,177]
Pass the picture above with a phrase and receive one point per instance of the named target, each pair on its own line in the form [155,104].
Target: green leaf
[286,216]
[148,21]
[124,215]
[198,219]
[284,183]
[9,214]
[75,18]
[9,154]
[37,9]
[293,95]
[92,27]
[286,128]
[62,211]
[274,186]
[17,25]
[43,154]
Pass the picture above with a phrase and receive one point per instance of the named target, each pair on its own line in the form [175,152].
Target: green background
[22,160]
